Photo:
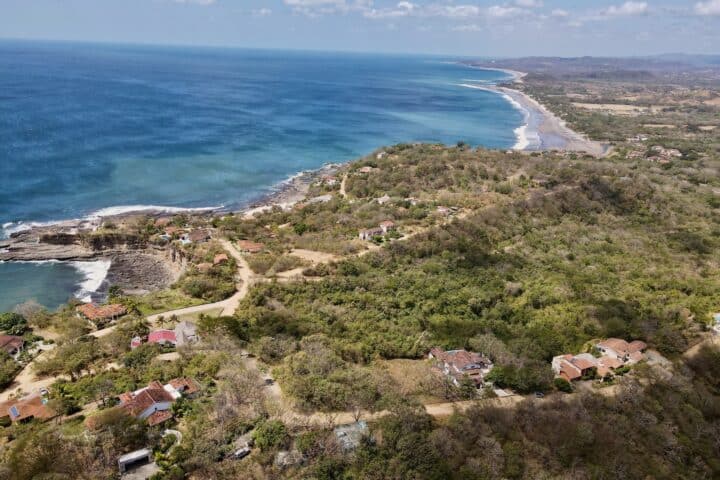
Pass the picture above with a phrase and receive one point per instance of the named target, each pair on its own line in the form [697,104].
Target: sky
[487,28]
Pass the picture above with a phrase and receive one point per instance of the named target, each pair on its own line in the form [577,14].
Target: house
[185,333]
[246,246]
[12,344]
[153,403]
[366,169]
[387,226]
[26,409]
[458,364]
[199,236]
[716,323]
[572,367]
[607,365]
[329,180]
[370,233]
[221,259]
[101,314]
[615,353]
[444,211]
[349,436]
[185,387]
[625,352]
[163,337]
[412,201]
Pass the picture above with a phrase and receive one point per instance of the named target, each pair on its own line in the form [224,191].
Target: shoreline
[542,130]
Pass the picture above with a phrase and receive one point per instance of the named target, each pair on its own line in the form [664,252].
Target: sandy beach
[542,130]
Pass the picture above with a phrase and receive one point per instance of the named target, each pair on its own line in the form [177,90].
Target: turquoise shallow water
[87,127]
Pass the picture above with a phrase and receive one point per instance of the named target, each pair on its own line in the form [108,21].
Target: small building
[716,323]
[387,226]
[134,459]
[246,246]
[12,344]
[153,403]
[458,364]
[100,315]
[572,367]
[350,436]
[370,233]
[199,236]
[135,342]
[183,387]
[163,337]
[366,169]
[329,180]
[27,408]
[221,259]
[186,333]
[625,352]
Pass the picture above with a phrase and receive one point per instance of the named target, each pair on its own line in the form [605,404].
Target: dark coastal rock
[138,273]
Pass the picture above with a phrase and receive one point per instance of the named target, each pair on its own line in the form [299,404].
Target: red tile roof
[186,386]
[568,371]
[387,224]
[582,363]
[159,417]
[162,336]
[11,342]
[199,235]
[106,312]
[28,407]
[145,399]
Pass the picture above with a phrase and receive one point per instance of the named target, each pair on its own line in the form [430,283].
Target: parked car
[242,453]
[539,395]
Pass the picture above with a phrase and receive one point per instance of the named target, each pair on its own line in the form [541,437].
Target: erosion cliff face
[56,243]
[111,241]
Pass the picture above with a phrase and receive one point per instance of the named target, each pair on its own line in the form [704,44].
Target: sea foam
[94,275]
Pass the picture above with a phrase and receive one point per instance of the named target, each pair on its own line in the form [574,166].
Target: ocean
[88,128]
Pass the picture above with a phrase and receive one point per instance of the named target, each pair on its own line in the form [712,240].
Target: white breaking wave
[94,273]
[123,209]
[525,138]
[14,227]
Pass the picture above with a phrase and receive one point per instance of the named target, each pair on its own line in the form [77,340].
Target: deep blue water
[85,127]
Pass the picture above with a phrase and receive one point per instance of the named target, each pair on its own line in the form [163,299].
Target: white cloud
[262,12]
[467,28]
[627,9]
[196,2]
[711,7]
[559,12]
[402,9]
[458,11]
[529,3]
[498,11]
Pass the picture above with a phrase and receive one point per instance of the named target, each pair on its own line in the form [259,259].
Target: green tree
[270,434]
